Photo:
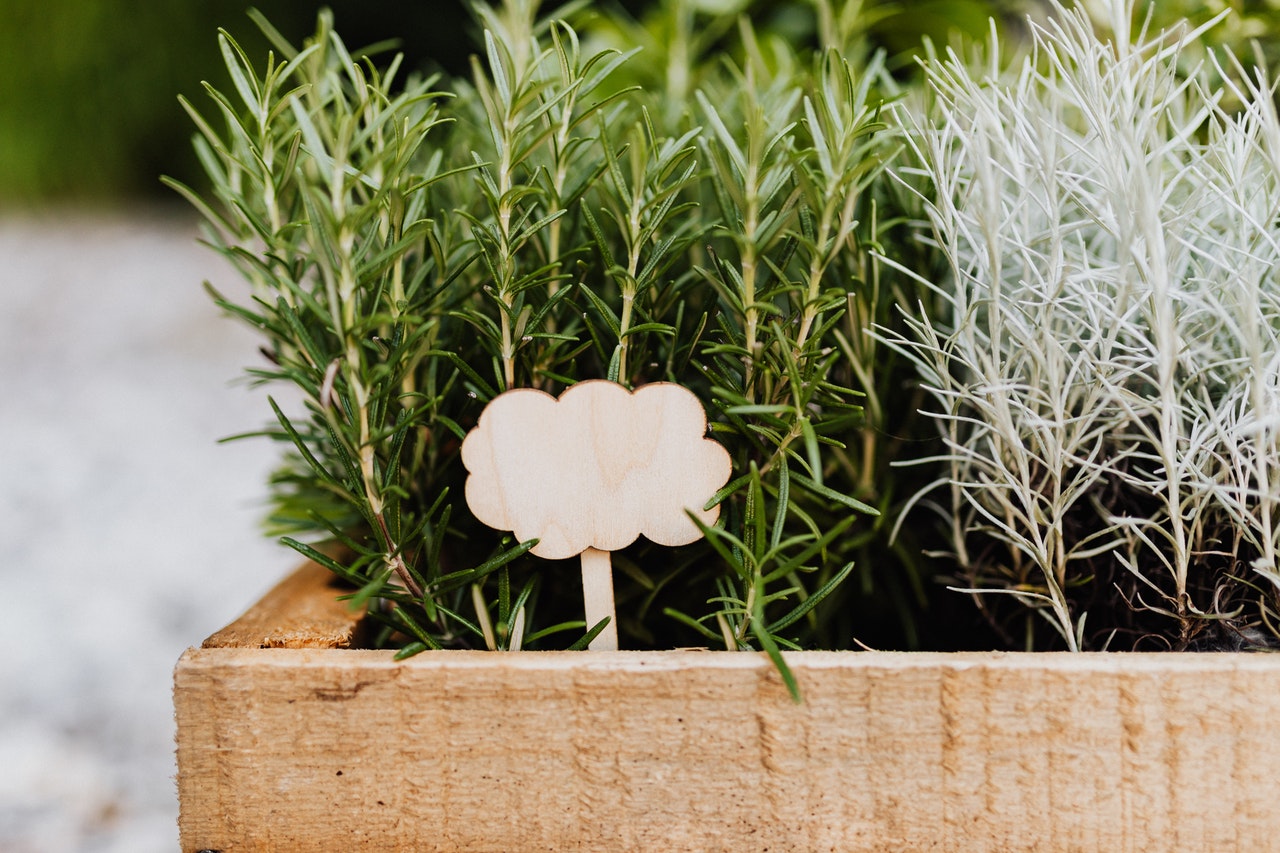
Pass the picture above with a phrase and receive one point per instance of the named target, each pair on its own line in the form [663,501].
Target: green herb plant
[1102,352]
[416,246]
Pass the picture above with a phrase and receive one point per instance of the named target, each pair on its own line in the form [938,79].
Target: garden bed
[290,743]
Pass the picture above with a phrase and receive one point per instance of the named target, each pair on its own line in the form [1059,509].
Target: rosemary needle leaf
[415,245]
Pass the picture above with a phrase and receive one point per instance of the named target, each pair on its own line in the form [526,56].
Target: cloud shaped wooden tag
[590,472]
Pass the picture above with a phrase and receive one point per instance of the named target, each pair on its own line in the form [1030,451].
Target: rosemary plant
[417,246]
[1102,353]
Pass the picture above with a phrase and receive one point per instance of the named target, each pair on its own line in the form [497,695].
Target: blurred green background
[88,108]
[88,88]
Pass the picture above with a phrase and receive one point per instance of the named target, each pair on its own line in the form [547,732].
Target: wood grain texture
[596,468]
[301,612]
[330,749]
[597,598]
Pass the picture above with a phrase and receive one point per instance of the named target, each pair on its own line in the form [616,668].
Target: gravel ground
[126,532]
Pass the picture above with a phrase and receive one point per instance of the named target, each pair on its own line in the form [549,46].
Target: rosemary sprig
[419,245]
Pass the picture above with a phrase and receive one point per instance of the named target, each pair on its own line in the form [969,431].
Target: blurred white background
[126,532]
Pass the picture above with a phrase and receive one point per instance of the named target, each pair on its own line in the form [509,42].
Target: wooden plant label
[590,472]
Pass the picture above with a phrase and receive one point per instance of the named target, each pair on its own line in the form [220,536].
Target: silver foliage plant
[1103,356]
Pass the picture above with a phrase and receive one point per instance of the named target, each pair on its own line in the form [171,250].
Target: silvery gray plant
[1103,353]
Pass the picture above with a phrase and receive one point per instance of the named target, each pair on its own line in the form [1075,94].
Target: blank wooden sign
[590,472]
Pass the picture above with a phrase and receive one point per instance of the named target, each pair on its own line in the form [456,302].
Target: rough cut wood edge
[314,749]
[301,612]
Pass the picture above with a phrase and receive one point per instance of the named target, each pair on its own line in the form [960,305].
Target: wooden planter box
[287,740]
